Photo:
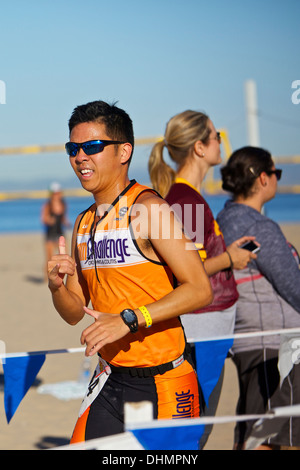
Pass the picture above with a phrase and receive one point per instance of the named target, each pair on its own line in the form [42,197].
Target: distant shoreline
[291,231]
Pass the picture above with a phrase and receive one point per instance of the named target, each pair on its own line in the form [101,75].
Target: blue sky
[156,58]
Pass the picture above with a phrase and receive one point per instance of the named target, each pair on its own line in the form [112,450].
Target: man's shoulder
[149,197]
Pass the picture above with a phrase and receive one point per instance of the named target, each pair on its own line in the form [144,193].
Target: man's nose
[81,156]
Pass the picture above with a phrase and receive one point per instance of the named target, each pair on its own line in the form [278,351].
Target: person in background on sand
[269,294]
[194,146]
[122,260]
[54,219]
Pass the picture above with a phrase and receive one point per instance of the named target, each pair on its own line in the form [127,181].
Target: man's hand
[106,329]
[60,265]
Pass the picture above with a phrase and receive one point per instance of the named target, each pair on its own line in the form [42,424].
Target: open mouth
[86,173]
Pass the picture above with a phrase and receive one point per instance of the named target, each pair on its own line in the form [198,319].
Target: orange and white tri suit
[119,276]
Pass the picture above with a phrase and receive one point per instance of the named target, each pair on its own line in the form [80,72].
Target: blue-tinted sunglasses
[90,147]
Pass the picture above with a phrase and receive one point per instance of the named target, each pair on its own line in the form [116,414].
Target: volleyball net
[211,185]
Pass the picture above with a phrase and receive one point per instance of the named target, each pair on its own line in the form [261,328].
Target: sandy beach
[29,322]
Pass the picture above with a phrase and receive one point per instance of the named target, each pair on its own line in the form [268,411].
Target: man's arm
[68,298]
[168,239]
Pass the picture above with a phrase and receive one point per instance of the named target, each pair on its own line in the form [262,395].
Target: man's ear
[125,152]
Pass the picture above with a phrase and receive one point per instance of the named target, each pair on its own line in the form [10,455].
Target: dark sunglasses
[276,172]
[90,148]
[216,137]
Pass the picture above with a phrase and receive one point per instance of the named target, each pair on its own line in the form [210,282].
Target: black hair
[243,168]
[117,122]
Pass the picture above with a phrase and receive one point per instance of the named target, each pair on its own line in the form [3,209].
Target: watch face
[130,318]
[129,315]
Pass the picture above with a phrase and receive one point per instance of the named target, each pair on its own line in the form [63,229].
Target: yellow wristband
[146,315]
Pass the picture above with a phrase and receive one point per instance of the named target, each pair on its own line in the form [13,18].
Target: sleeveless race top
[119,276]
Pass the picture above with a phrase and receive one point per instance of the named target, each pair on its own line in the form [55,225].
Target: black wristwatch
[130,319]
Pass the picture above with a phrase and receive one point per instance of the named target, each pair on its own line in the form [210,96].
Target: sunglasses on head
[275,172]
[90,147]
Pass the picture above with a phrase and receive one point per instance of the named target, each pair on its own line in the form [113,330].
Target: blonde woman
[193,145]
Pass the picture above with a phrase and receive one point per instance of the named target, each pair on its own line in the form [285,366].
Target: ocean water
[24,215]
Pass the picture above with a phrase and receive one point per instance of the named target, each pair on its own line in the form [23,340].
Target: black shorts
[260,391]
[174,395]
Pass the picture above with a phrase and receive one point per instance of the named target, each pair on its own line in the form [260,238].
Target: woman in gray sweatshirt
[269,293]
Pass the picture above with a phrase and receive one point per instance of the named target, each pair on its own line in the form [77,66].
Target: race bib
[96,384]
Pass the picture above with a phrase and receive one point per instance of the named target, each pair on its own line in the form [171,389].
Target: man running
[130,260]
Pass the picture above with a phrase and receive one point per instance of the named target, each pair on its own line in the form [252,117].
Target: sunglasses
[217,137]
[276,172]
[90,147]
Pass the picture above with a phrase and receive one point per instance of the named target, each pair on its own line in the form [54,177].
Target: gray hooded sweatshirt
[269,288]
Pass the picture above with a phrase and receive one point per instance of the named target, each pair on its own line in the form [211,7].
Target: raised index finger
[62,245]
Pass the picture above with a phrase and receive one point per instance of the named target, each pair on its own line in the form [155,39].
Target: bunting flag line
[210,358]
[164,438]
[19,375]
[212,352]
[182,434]
[20,369]
[4,356]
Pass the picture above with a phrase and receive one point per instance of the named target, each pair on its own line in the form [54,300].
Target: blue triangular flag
[19,374]
[170,438]
[210,358]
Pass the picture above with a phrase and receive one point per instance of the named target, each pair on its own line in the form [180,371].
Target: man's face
[100,171]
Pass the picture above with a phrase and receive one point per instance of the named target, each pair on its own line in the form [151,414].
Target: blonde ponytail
[182,131]
[161,174]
